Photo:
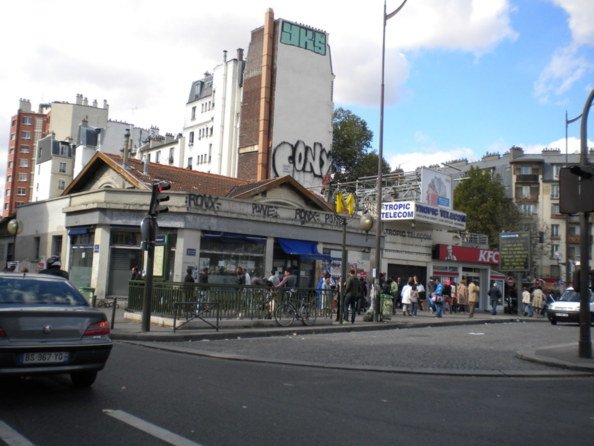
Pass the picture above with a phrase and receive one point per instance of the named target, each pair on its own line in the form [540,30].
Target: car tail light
[98,329]
[3,334]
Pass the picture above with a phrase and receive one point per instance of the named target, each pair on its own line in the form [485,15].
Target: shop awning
[302,248]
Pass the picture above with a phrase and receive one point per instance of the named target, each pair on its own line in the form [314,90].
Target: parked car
[567,307]
[48,327]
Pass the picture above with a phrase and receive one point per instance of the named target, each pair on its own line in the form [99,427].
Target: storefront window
[222,253]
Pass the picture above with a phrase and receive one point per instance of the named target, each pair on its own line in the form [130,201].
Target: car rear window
[23,291]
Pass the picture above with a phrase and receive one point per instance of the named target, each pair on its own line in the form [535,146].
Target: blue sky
[463,77]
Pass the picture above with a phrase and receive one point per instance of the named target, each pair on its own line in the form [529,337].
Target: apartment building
[26,129]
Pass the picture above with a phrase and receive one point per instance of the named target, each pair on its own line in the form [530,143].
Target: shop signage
[464,254]
[411,210]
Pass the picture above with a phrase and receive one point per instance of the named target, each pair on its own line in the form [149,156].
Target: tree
[488,211]
[351,140]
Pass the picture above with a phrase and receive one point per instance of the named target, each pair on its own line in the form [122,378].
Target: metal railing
[231,301]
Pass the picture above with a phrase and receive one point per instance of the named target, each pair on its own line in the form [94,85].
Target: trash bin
[89,294]
[386,306]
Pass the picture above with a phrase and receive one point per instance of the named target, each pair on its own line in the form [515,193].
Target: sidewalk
[127,327]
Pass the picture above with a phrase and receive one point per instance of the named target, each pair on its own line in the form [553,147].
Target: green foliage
[482,197]
[351,140]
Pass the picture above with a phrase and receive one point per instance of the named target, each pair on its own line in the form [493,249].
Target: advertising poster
[436,189]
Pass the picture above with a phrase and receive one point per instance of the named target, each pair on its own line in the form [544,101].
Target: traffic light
[156,198]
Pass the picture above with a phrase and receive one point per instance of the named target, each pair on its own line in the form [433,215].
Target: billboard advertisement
[436,189]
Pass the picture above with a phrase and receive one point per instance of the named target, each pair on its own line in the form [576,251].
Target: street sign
[509,280]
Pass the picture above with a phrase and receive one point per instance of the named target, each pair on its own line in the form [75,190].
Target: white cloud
[568,65]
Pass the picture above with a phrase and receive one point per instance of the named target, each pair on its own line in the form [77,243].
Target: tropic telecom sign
[411,210]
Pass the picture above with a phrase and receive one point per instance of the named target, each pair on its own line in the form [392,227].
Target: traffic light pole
[585,343]
[148,288]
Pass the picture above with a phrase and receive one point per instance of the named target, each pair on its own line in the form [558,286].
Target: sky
[463,78]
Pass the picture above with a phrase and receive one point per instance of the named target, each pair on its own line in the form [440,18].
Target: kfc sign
[463,254]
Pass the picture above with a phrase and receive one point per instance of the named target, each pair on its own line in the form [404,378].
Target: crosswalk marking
[151,429]
[11,437]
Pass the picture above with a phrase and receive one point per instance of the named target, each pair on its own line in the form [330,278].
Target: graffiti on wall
[203,201]
[303,37]
[299,159]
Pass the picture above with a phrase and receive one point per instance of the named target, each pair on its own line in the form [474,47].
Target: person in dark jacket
[52,266]
[352,294]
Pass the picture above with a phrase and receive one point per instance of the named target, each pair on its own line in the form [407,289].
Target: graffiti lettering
[202,201]
[333,219]
[287,159]
[307,216]
[265,210]
[305,38]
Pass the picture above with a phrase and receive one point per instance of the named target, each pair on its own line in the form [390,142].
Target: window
[191,138]
[22,177]
[555,231]
[26,135]
[27,120]
[61,184]
[574,230]
[554,191]
[555,254]
[7,193]
[193,112]
[556,170]
[158,157]
[190,160]
[171,153]
[62,168]
[23,163]
[9,179]
[10,164]
[528,208]
[21,191]
[555,208]
[25,149]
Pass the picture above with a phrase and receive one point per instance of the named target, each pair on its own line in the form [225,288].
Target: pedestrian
[538,301]
[447,296]
[52,266]
[135,273]
[363,302]
[273,278]
[462,296]
[248,278]
[405,298]
[473,296]
[422,294]
[494,296]
[414,299]
[437,297]
[527,303]
[352,293]
[454,295]
[239,276]
[203,277]
[288,281]
[188,287]
[257,279]
[395,292]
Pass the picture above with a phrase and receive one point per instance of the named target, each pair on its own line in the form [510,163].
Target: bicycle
[286,312]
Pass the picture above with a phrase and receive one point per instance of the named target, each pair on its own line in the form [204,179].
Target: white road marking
[11,437]
[149,428]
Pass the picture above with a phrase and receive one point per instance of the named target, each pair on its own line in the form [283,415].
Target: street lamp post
[378,228]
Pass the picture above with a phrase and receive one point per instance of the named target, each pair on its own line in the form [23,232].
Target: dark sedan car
[47,327]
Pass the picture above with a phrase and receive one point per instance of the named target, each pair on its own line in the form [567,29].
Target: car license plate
[562,315]
[44,357]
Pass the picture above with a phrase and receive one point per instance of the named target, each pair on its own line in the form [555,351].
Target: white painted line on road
[151,429]
[11,437]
